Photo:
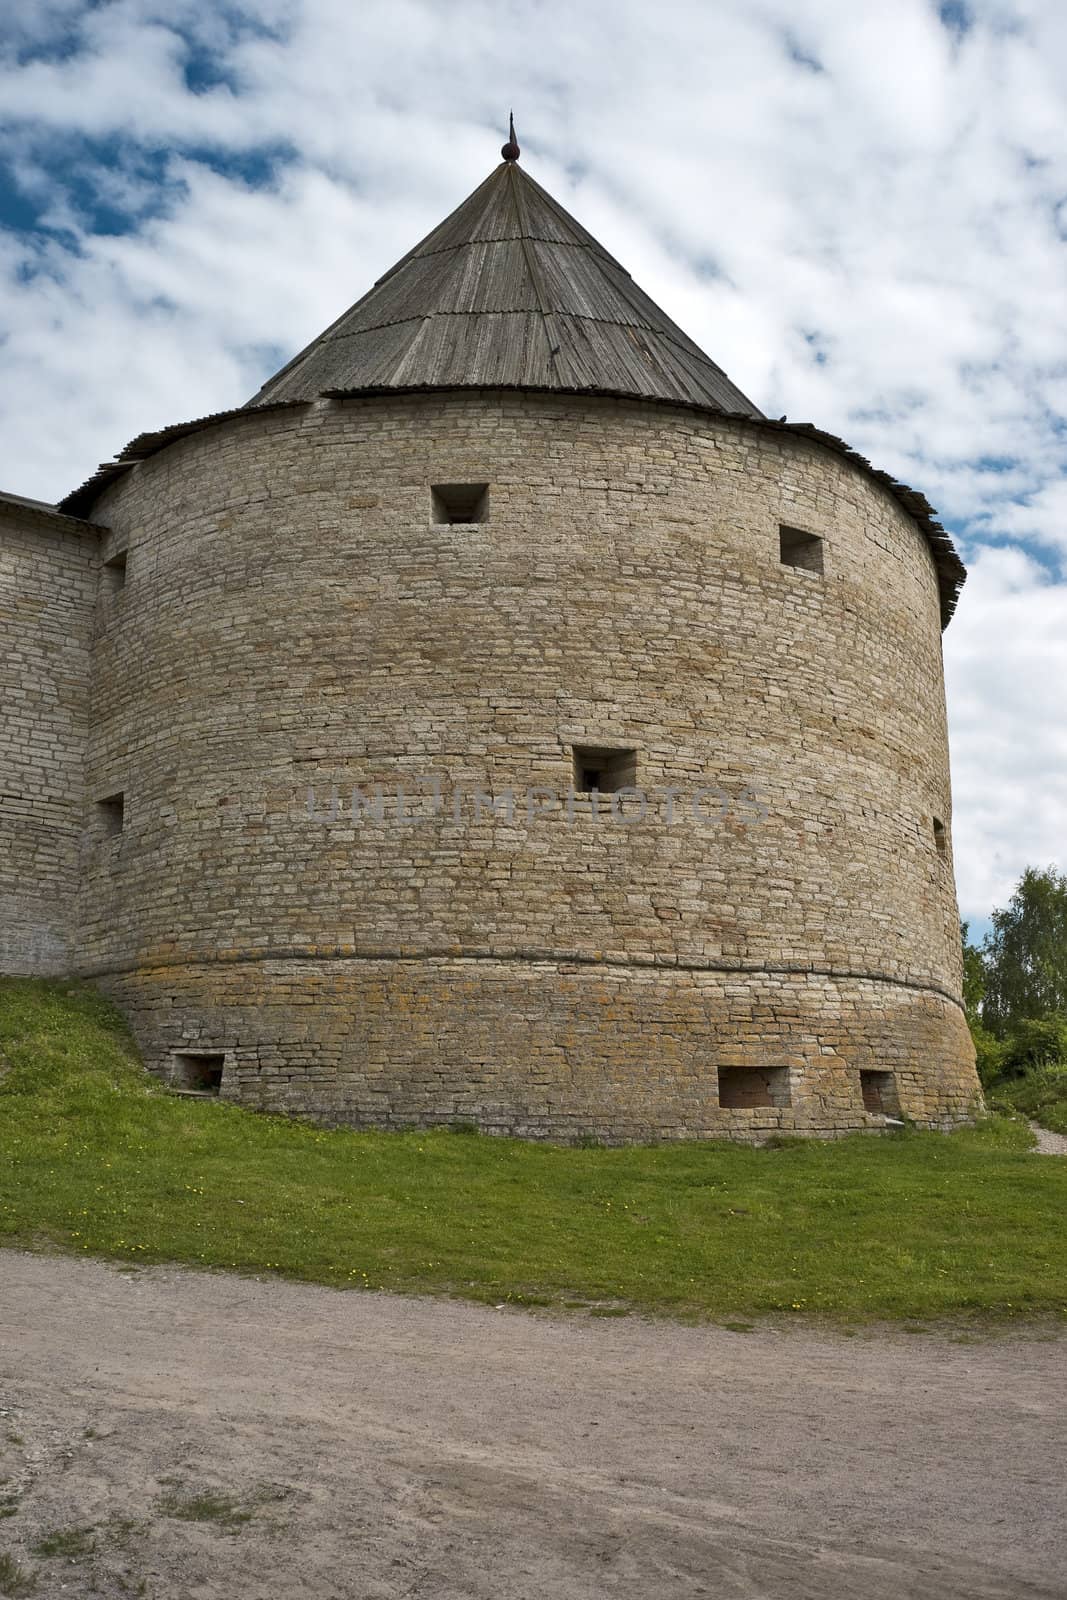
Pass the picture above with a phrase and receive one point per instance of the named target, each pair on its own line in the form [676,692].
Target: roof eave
[149,444]
[951,571]
[54,516]
[952,574]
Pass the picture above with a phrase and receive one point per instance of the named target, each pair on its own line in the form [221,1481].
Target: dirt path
[1049,1143]
[419,1450]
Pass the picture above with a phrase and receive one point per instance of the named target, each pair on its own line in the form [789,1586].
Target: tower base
[551,1049]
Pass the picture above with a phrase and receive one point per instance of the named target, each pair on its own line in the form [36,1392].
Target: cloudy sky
[860,211]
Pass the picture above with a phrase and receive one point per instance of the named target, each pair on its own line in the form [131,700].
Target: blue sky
[860,212]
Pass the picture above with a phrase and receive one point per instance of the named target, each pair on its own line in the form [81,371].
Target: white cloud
[858,183]
[1006,667]
[1041,515]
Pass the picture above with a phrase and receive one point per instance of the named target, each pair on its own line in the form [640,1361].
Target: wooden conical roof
[511,292]
[508,292]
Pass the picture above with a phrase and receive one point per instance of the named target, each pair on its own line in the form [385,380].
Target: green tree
[988,1049]
[1024,957]
[973,976]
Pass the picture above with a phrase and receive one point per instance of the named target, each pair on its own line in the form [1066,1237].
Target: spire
[511,151]
[510,291]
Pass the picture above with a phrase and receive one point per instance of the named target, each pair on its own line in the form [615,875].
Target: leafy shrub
[990,1053]
[1040,1094]
[1031,1045]
[1034,1043]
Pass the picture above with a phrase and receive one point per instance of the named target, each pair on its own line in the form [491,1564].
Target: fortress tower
[658,679]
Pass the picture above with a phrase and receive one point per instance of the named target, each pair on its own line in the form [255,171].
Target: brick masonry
[555,1050]
[292,620]
[47,596]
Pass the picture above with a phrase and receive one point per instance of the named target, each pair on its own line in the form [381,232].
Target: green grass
[14,1579]
[95,1158]
[1040,1094]
[205,1507]
[66,1542]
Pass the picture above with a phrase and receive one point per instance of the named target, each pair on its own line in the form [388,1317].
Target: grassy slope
[94,1157]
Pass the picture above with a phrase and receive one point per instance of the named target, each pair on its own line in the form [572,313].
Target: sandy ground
[404,1448]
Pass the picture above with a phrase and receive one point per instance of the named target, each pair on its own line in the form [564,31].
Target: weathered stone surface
[292,619]
[533,1049]
[47,596]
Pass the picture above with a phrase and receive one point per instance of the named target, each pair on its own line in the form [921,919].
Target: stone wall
[293,621]
[553,1049]
[47,595]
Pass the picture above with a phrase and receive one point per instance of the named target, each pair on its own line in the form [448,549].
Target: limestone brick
[47,594]
[293,620]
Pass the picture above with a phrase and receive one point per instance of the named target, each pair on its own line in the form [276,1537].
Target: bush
[990,1052]
[1040,1094]
[1034,1043]
[1030,1045]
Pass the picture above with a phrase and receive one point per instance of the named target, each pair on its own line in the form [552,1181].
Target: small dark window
[748,1088]
[198,1071]
[111,813]
[460,502]
[940,837]
[800,550]
[114,573]
[604,770]
[879,1091]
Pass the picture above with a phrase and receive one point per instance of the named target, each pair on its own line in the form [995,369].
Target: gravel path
[1049,1143]
[408,1449]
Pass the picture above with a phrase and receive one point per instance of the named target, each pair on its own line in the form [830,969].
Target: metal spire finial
[511,151]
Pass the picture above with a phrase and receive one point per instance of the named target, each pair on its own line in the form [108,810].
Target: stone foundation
[555,1049]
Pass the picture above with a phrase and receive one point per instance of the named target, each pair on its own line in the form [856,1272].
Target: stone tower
[498,719]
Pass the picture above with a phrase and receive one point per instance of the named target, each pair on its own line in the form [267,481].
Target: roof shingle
[508,291]
[511,292]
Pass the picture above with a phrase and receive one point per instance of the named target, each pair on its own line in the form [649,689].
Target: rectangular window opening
[197,1071]
[800,550]
[459,502]
[940,837]
[111,812]
[748,1088]
[606,770]
[114,573]
[879,1091]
